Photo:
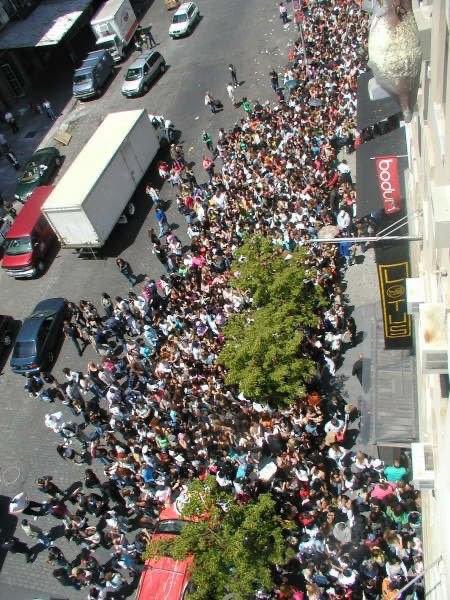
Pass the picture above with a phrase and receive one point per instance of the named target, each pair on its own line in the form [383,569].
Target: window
[14,80]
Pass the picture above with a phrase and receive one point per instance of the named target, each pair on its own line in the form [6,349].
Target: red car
[165,578]
[29,238]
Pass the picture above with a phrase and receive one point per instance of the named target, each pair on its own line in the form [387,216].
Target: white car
[184,20]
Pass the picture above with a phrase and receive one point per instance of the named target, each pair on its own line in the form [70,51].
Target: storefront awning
[388,401]
[49,22]
[371,172]
[370,112]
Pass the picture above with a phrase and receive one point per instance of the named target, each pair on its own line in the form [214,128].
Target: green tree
[234,546]
[263,350]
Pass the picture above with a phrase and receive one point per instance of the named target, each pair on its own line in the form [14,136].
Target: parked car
[165,577]
[28,241]
[6,332]
[184,20]
[142,72]
[39,170]
[38,337]
[90,78]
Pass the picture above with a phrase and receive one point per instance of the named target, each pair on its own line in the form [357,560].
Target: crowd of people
[154,412]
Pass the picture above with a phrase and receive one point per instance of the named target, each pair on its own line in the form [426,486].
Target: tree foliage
[263,350]
[235,546]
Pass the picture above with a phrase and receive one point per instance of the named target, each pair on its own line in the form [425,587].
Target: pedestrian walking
[163,224]
[35,532]
[283,13]
[22,504]
[234,78]
[153,195]
[12,159]
[107,305]
[209,101]
[150,39]
[126,270]
[71,332]
[207,140]
[246,106]
[230,92]
[11,121]
[49,110]
[157,248]
[46,486]
[274,79]
[15,546]
[208,165]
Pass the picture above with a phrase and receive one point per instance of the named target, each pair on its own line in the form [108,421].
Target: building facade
[428,291]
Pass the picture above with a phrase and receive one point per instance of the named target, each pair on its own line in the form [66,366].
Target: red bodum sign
[388,183]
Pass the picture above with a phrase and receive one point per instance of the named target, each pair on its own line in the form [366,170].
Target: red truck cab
[29,239]
[164,577]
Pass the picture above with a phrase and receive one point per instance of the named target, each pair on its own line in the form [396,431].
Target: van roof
[141,60]
[30,213]
[82,175]
[92,58]
[108,9]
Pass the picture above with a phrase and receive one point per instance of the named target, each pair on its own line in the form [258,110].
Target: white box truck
[87,202]
[114,26]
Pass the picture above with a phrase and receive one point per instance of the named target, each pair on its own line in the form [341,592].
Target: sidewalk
[387,396]
[33,127]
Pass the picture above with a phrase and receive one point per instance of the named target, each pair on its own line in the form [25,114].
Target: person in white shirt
[343,219]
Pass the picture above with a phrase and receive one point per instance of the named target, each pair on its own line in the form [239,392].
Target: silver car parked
[141,72]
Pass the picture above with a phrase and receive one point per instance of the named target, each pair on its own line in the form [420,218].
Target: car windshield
[24,349]
[133,74]
[43,314]
[170,526]
[82,78]
[109,45]
[181,18]
[18,246]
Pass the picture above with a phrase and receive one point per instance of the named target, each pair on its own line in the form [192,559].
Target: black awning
[392,144]
[369,111]
[380,182]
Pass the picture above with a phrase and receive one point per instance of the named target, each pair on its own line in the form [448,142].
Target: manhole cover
[274,50]
[30,134]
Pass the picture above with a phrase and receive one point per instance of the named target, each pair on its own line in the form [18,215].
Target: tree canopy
[235,546]
[263,349]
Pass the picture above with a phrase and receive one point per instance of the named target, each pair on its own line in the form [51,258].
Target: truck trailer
[87,202]
[114,26]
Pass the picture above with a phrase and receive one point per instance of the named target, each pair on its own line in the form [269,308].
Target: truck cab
[114,26]
[30,238]
[114,45]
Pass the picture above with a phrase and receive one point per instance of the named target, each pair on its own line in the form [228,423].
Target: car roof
[184,8]
[43,151]
[31,212]
[29,330]
[51,304]
[140,62]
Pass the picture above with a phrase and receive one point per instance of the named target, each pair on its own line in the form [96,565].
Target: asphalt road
[248,34]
